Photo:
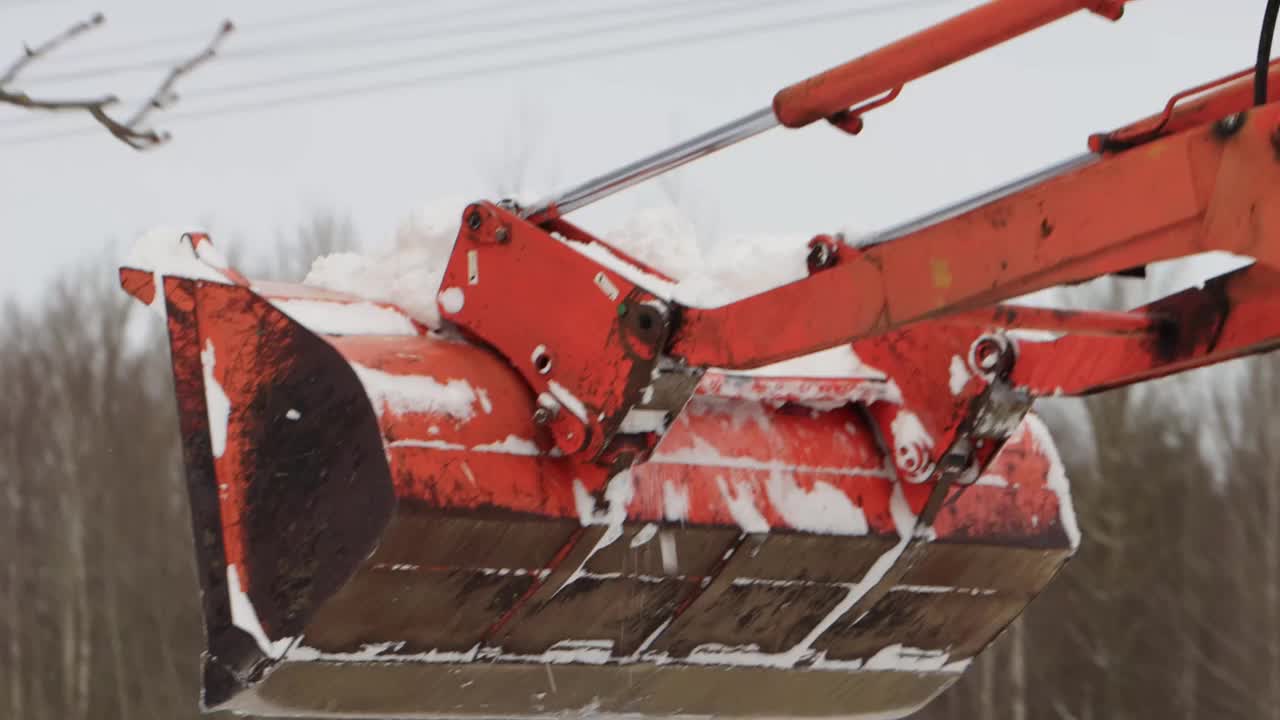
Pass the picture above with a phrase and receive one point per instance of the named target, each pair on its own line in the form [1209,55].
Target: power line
[249,27]
[499,46]
[523,64]
[399,30]
[329,74]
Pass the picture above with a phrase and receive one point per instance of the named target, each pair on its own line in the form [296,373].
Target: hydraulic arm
[577,494]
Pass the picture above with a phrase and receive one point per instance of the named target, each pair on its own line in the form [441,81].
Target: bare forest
[1170,610]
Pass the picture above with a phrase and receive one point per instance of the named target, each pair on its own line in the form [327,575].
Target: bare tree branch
[164,96]
[130,131]
[29,54]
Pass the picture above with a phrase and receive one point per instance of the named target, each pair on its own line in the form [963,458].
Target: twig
[29,54]
[130,131]
[164,96]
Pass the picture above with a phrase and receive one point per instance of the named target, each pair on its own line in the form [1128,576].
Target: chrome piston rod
[657,164]
[840,88]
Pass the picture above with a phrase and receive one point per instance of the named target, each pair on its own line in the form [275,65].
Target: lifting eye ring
[991,356]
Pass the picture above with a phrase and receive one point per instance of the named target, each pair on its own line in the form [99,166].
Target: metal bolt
[1229,125]
[822,254]
[502,235]
[548,408]
[475,220]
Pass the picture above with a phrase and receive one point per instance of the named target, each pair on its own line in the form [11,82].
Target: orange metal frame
[1202,175]
[1211,187]
[887,69]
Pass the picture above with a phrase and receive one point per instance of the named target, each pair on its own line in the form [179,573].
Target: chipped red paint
[1012,502]
[1120,211]
[720,450]
[498,256]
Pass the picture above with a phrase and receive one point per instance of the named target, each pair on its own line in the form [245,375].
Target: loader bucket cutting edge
[408,544]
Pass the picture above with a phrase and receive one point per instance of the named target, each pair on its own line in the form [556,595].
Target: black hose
[1264,53]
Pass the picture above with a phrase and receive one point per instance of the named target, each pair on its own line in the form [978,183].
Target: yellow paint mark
[941,273]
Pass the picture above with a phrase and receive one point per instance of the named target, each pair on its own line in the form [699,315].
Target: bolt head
[1229,125]
[822,254]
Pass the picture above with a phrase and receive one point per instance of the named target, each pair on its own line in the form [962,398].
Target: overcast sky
[456,97]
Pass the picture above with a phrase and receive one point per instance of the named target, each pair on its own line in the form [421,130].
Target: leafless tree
[325,232]
[132,129]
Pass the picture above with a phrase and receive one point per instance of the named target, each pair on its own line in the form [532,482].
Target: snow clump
[409,274]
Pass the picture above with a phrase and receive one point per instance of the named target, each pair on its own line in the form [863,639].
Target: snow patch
[216,402]
[942,590]
[645,535]
[742,506]
[704,454]
[992,480]
[605,257]
[408,275]
[960,375]
[588,652]
[511,445]
[377,652]
[617,495]
[452,300]
[568,400]
[823,509]
[368,651]
[837,362]
[431,444]
[339,318]
[667,548]
[166,251]
[662,238]
[417,393]
[675,502]
[245,617]
[902,657]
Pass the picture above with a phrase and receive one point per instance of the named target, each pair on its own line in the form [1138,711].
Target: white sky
[378,155]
